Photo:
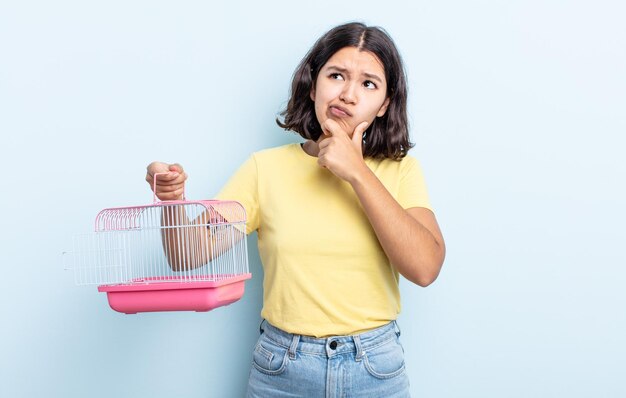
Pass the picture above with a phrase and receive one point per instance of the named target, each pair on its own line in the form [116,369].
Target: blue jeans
[367,365]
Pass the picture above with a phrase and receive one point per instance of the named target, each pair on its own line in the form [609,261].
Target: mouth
[339,111]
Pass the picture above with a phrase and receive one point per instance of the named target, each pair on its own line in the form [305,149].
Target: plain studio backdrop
[517,109]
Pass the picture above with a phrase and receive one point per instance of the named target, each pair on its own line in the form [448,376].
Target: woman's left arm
[411,238]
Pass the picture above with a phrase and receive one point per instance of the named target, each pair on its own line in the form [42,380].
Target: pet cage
[166,256]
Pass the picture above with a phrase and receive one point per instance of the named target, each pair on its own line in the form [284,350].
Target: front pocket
[385,361]
[268,357]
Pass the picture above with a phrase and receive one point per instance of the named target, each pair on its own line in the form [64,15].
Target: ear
[383,108]
[312,93]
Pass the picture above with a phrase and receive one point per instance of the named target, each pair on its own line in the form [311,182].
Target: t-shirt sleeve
[243,188]
[412,192]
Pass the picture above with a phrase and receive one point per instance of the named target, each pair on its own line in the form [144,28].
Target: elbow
[174,262]
[422,277]
[425,275]
[434,269]
[181,265]
[175,266]
[425,280]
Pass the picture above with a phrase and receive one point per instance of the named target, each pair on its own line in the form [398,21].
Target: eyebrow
[344,70]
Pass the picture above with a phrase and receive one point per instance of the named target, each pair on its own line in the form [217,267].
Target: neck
[312,148]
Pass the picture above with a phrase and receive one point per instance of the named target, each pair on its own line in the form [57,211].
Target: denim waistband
[332,345]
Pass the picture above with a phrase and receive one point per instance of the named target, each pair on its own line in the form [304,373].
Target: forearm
[184,244]
[188,245]
[413,249]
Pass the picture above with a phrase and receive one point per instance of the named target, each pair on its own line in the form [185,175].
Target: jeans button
[333,345]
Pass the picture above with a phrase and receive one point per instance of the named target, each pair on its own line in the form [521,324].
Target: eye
[336,76]
[370,85]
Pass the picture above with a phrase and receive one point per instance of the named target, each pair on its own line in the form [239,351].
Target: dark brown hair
[387,136]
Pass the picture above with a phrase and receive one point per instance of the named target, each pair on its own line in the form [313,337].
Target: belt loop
[294,346]
[261,330]
[397,327]
[359,349]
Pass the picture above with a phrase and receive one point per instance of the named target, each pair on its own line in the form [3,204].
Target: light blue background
[518,112]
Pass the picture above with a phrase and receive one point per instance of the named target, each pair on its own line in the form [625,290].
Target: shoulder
[273,160]
[275,152]
[410,162]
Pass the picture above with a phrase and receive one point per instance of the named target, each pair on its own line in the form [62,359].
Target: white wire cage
[167,256]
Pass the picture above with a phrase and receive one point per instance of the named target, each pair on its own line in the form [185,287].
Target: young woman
[338,217]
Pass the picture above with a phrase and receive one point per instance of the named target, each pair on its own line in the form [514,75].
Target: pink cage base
[199,296]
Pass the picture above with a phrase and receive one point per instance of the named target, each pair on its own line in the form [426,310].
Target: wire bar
[164,242]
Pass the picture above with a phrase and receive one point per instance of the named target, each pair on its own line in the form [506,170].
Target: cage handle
[154,197]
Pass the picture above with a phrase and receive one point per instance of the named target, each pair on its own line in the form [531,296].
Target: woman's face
[350,89]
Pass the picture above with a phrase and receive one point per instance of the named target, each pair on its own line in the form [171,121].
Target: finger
[167,177]
[322,156]
[321,161]
[168,188]
[176,168]
[331,128]
[176,195]
[172,195]
[357,137]
[157,167]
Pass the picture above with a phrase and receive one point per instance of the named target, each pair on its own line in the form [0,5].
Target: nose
[348,94]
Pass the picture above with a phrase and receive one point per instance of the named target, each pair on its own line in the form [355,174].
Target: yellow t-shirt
[325,271]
